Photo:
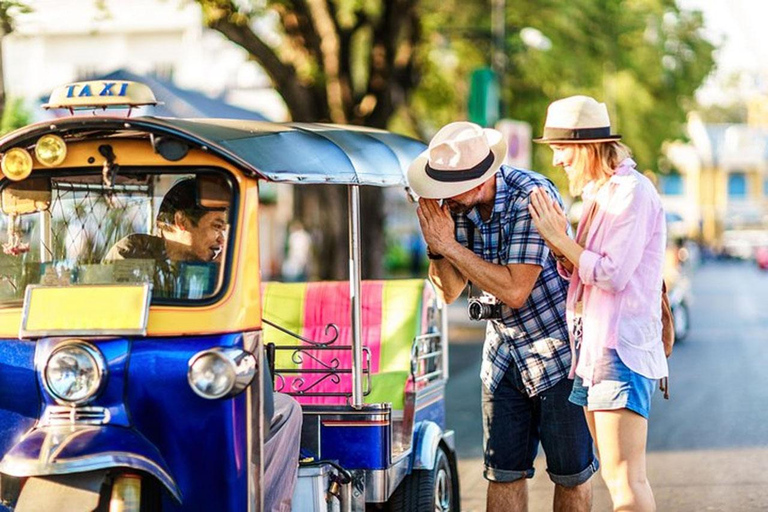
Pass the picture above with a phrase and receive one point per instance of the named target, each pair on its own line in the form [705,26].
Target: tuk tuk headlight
[221,372]
[74,373]
[51,150]
[16,164]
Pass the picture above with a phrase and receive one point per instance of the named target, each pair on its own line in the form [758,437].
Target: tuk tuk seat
[394,312]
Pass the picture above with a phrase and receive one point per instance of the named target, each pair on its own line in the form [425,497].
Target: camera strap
[471,246]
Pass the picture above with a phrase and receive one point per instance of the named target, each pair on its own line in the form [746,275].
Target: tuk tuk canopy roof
[282,152]
[312,152]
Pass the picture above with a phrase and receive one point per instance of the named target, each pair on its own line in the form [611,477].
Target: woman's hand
[548,218]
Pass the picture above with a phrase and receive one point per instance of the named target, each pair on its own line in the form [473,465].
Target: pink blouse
[621,273]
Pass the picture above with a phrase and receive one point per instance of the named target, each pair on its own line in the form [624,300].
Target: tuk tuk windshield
[69,228]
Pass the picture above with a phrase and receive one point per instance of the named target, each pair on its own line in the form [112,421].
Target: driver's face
[207,239]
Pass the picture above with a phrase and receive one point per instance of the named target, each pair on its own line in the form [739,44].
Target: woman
[613,306]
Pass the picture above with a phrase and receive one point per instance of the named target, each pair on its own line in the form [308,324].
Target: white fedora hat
[577,119]
[460,157]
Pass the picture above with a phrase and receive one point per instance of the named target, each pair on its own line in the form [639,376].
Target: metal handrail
[328,327]
[430,355]
[331,369]
[418,355]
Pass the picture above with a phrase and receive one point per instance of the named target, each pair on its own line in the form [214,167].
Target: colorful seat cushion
[393,314]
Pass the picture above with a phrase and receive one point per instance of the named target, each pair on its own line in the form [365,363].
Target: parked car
[761,257]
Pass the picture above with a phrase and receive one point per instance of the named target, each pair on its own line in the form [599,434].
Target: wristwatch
[431,255]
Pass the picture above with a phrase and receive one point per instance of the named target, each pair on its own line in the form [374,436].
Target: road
[708,444]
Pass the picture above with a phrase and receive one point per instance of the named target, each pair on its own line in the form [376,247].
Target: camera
[486,307]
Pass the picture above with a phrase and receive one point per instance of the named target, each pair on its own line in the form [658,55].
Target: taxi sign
[101,94]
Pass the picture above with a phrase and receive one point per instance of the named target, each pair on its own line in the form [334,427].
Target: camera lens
[475,311]
[483,309]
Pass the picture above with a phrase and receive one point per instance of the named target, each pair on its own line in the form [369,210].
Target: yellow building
[719,184]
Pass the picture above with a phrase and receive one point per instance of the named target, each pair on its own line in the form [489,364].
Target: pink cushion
[318,304]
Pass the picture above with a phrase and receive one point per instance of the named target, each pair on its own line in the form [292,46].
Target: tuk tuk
[135,384]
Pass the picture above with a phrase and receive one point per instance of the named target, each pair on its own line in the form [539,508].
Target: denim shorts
[620,388]
[514,424]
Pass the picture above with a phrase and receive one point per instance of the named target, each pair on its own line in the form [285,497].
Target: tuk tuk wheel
[425,490]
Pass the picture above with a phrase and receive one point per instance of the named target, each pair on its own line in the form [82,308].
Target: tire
[682,321]
[425,490]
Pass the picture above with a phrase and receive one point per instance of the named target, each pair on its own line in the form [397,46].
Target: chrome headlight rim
[242,365]
[101,368]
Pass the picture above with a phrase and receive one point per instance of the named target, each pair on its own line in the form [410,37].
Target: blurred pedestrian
[615,271]
[298,254]
[482,232]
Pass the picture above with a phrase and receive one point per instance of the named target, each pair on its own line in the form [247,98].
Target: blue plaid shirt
[535,336]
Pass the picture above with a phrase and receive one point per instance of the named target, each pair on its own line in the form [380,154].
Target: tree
[644,58]
[15,115]
[404,64]
[9,9]
[340,61]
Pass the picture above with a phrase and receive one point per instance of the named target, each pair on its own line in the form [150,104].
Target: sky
[739,28]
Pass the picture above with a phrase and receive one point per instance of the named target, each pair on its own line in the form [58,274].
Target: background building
[60,42]
[195,71]
[719,184]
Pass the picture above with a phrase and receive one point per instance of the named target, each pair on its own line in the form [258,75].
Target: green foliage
[450,51]
[405,65]
[731,113]
[399,259]
[644,58]
[15,115]
[9,9]
[396,258]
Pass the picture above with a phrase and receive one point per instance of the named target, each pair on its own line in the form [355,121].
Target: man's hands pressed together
[437,225]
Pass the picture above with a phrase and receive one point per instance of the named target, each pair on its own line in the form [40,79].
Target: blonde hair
[595,162]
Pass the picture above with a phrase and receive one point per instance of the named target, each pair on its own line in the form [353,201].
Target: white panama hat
[577,119]
[460,156]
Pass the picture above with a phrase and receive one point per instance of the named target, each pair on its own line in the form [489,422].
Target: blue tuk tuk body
[146,419]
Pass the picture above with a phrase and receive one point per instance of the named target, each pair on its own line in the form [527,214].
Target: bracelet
[561,258]
[431,255]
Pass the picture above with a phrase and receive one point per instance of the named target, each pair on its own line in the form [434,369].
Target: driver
[188,232]
[191,233]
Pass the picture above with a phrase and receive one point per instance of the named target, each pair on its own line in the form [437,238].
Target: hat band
[577,133]
[461,174]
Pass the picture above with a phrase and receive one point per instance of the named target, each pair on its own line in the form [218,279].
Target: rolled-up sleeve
[628,219]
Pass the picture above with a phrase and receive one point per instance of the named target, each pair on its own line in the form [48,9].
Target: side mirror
[28,196]
[213,192]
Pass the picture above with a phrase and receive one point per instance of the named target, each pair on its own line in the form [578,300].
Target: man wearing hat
[482,232]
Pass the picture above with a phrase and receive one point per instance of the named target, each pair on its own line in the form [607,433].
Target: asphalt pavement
[707,445]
